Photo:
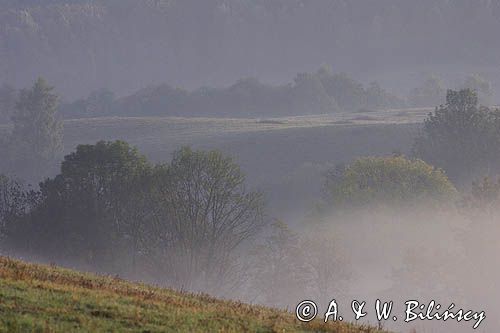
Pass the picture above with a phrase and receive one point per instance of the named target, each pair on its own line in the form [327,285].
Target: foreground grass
[38,298]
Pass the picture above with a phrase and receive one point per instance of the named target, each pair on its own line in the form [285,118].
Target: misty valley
[248,166]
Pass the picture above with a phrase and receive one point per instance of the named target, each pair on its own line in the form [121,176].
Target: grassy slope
[38,298]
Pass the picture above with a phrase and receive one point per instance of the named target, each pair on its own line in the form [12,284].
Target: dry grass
[39,298]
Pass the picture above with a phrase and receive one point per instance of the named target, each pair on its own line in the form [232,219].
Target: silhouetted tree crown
[461,137]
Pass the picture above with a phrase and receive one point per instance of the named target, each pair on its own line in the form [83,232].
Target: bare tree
[279,273]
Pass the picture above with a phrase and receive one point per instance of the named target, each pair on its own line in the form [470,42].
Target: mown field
[38,298]
[153,133]
[159,135]
[284,157]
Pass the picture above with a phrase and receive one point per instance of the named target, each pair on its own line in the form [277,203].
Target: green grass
[39,298]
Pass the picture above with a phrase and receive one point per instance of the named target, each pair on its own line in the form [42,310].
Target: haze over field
[264,151]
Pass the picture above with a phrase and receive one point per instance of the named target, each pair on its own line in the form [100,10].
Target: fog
[291,91]
[422,253]
[85,45]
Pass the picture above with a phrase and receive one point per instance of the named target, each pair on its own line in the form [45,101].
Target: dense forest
[128,45]
[319,92]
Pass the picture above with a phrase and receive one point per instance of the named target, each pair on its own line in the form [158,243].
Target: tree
[155,100]
[13,205]
[8,97]
[204,214]
[309,95]
[351,95]
[286,266]
[377,97]
[325,261]
[461,137]
[279,271]
[37,134]
[431,92]
[399,180]
[481,86]
[348,93]
[88,209]
[99,103]
[482,198]
[109,210]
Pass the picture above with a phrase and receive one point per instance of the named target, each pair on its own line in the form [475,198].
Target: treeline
[81,44]
[111,210]
[432,90]
[309,93]
[29,3]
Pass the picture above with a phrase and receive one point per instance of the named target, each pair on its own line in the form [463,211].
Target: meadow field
[294,151]
[152,133]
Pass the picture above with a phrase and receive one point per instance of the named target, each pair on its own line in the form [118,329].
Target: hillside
[38,298]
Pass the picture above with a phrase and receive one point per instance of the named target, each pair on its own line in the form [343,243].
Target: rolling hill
[285,156]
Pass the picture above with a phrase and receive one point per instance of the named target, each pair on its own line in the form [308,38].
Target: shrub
[387,179]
